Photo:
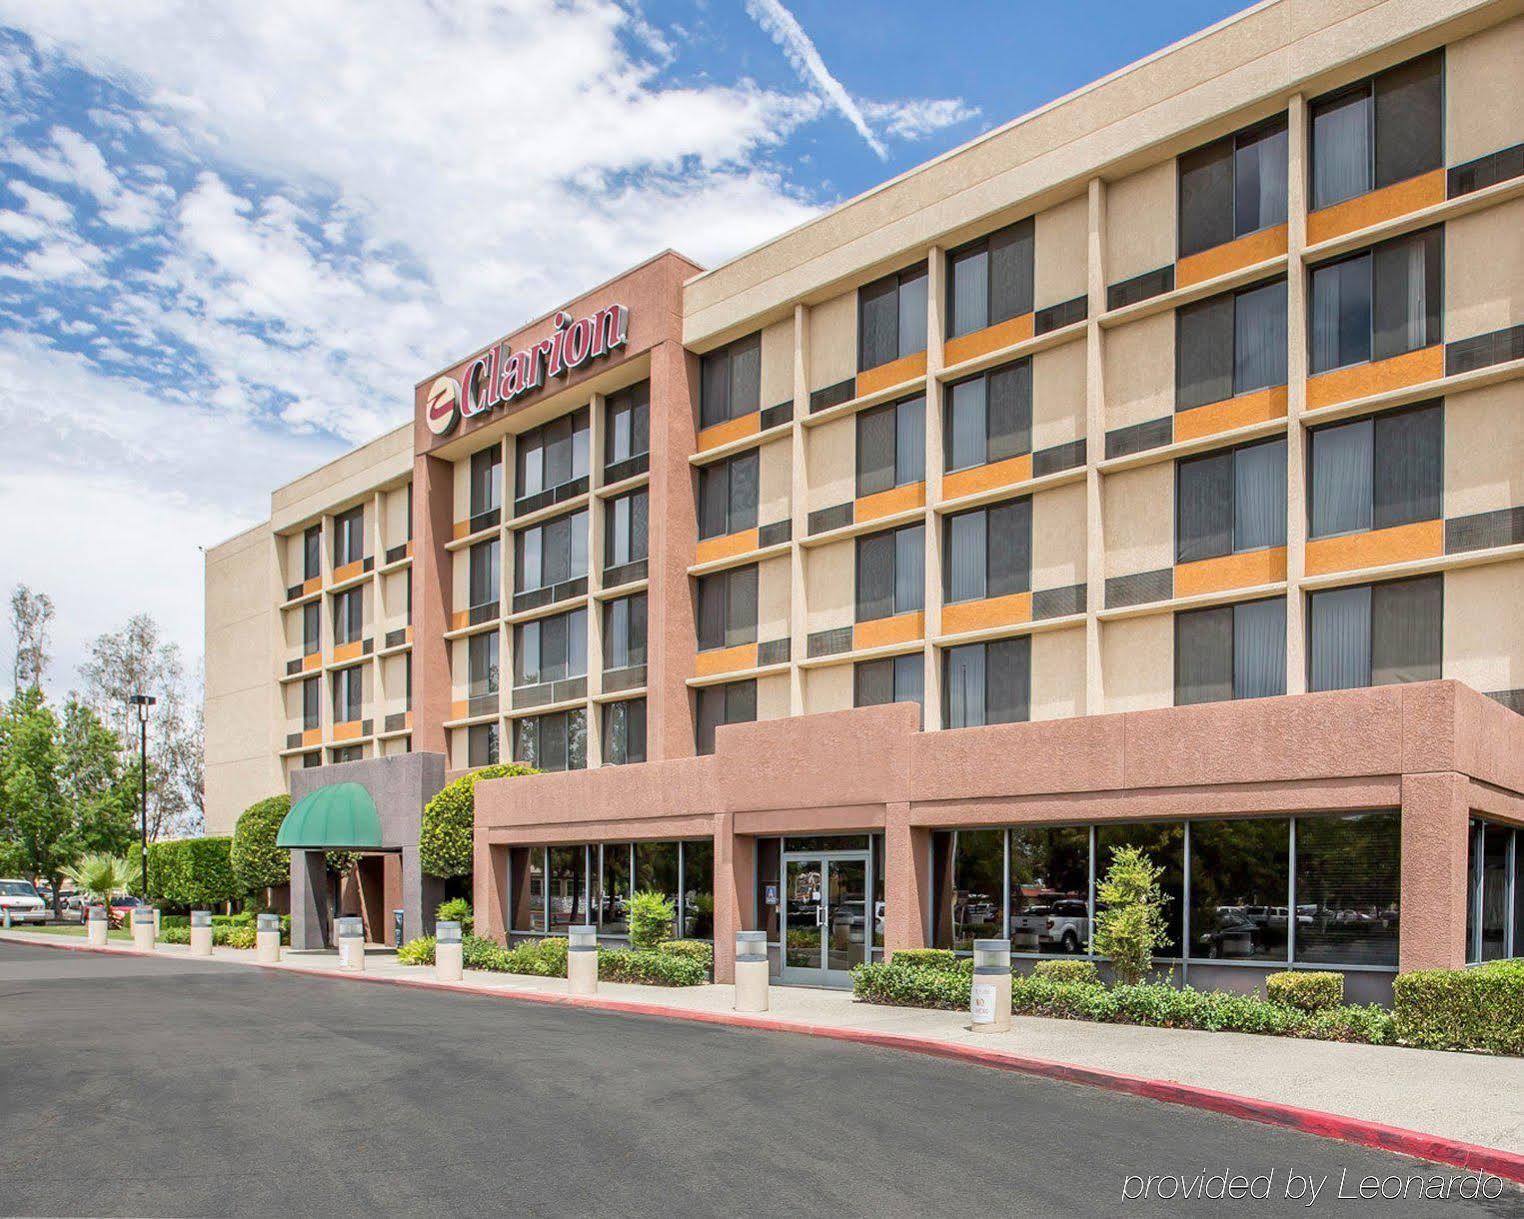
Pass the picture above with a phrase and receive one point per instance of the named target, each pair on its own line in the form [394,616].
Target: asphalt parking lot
[154,1087]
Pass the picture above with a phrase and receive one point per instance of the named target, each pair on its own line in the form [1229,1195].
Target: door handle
[819,915]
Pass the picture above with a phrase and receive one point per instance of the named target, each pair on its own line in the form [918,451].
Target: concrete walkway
[1471,1098]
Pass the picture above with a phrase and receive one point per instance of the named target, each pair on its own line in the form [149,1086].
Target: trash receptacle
[397,925]
[990,994]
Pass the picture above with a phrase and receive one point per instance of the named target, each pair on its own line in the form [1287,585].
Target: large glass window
[988,552]
[1233,187]
[1230,651]
[1230,344]
[891,573]
[349,616]
[891,445]
[550,553]
[894,679]
[727,608]
[730,381]
[1230,501]
[728,495]
[698,890]
[624,732]
[988,417]
[1376,634]
[973,899]
[312,628]
[527,875]
[612,905]
[627,424]
[1164,844]
[1348,873]
[624,632]
[312,703]
[656,870]
[732,703]
[1240,889]
[1377,472]
[1382,130]
[312,556]
[624,528]
[1050,889]
[568,877]
[482,664]
[891,318]
[987,683]
[552,742]
[486,480]
[348,695]
[553,454]
[485,572]
[550,649]
[349,536]
[990,280]
[1379,303]
[481,745]
[1492,895]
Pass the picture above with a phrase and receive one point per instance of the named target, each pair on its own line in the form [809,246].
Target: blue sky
[233,236]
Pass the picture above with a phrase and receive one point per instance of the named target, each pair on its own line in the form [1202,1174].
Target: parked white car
[19,898]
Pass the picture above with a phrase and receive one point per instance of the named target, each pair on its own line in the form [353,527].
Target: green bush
[897,985]
[701,951]
[926,958]
[240,937]
[445,846]
[1481,1008]
[457,910]
[1308,991]
[650,968]
[188,872]
[1081,972]
[178,934]
[478,952]
[1129,927]
[257,862]
[417,952]
[651,916]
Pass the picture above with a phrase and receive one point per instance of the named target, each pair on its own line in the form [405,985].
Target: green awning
[339,816]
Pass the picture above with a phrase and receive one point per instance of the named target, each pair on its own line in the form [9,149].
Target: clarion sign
[499,375]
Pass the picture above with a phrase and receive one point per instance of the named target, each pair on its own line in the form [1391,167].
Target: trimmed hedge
[188,872]
[1082,972]
[449,821]
[701,951]
[684,965]
[1481,1008]
[257,862]
[652,968]
[926,958]
[1308,991]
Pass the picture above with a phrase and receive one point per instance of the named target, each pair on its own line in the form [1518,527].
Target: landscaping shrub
[1129,927]
[1481,1008]
[188,872]
[651,916]
[417,952]
[449,821]
[1083,972]
[650,968]
[1311,991]
[478,952]
[457,910]
[178,934]
[926,958]
[701,951]
[257,862]
[239,937]
[898,985]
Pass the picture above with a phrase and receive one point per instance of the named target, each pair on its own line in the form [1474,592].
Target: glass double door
[826,917]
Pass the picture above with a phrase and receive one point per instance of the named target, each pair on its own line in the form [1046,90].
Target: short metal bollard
[267,939]
[751,971]
[582,959]
[351,937]
[448,952]
[142,929]
[95,928]
[990,1003]
[201,933]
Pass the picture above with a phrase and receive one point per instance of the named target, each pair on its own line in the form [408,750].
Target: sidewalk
[1467,1098]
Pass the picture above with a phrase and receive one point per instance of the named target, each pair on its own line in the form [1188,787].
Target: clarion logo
[500,375]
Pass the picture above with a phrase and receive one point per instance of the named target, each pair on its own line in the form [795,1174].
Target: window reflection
[1347,874]
[1240,889]
[1050,889]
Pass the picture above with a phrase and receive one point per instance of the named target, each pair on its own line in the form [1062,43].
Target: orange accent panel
[1376,206]
[980,615]
[1231,256]
[1230,571]
[725,546]
[312,585]
[313,660]
[1261,406]
[349,571]
[906,368]
[459,710]
[347,732]
[460,619]
[992,338]
[726,660]
[409,548]
[346,651]
[881,632]
[312,736]
[410,634]
[987,478]
[1362,380]
[462,528]
[1376,548]
[407,720]
[887,503]
[731,429]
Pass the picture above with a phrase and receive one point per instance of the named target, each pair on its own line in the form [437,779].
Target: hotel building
[1148,471]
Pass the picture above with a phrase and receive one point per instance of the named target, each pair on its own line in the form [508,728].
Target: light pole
[142,702]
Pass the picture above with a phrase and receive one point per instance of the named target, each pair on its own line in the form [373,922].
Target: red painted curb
[1437,1148]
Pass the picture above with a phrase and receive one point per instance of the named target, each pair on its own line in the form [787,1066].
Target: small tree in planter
[651,918]
[1129,928]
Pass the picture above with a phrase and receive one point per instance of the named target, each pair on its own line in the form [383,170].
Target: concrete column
[1436,810]
[309,900]
[433,588]
[1296,395]
[936,298]
[597,524]
[393,896]
[1095,449]
[734,887]
[799,504]
[421,895]
[489,897]
[907,881]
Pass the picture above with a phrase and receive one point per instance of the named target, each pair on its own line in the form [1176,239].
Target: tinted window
[735,703]
[627,423]
[895,679]
[1378,304]
[990,280]
[1377,472]
[891,446]
[730,381]
[1348,871]
[891,573]
[987,683]
[988,552]
[552,455]
[550,649]
[624,632]
[624,528]
[1240,889]
[728,495]
[1375,634]
[988,417]
[1230,651]
[1230,344]
[551,742]
[727,608]
[1233,187]
[891,316]
[481,664]
[1230,502]
[624,732]
[486,480]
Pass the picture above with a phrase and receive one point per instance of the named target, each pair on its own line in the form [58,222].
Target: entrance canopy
[341,816]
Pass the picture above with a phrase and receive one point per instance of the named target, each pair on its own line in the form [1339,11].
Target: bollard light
[448,951]
[751,945]
[351,936]
[447,933]
[581,938]
[267,939]
[751,971]
[142,929]
[582,959]
[201,933]
[990,995]
[96,924]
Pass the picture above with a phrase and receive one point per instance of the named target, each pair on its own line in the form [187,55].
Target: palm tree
[99,876]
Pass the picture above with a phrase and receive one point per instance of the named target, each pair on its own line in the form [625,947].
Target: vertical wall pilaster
[734,864]
[1095,448]
[433,590]
[1296,394]
[907,880]
[1435,815]
[936,328]
[799,500]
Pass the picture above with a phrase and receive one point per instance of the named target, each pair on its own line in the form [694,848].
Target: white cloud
[917,118]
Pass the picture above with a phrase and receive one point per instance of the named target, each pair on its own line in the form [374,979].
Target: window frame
[576,623]
[1231,452]
[1023,645]
[490,481]
[520,543]
[634,401]
[1024,288]
[534,439]
[709,418]
[745,691]
[349,536]
[725,581]
[911,404]
[1372,586]
[1234,143]
[901,279]
[1436,405]
[733,523]
[1193,309]
[877,538]
[639,549]
[1434,336]
[1023,581]
[1022,371]
[1233,608]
